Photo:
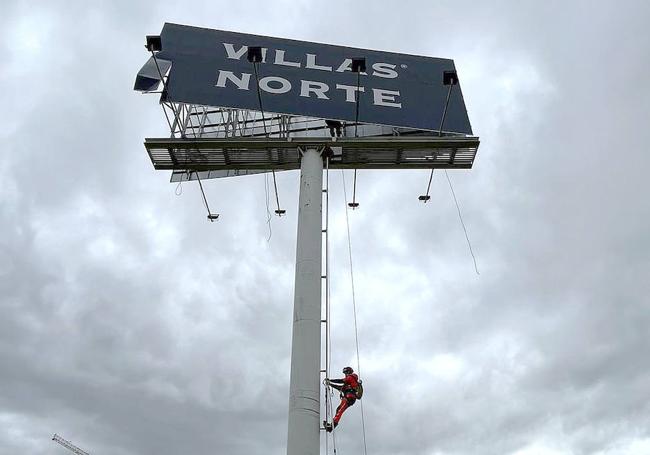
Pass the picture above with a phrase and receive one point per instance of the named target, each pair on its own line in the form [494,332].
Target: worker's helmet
[348,370]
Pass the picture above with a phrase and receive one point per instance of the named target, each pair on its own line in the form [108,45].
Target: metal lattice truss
[193,121]
[68,445]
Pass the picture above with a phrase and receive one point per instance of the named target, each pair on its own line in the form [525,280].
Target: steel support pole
[304,390]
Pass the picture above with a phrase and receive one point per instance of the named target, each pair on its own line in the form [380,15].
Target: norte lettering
[308,89]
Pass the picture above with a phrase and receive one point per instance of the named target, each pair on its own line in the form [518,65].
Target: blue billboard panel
[212,68]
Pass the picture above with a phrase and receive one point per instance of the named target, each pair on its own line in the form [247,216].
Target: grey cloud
[131,325]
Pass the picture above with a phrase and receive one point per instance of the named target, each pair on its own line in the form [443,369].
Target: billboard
[210,67]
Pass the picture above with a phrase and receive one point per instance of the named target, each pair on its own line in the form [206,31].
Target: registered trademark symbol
[403,65]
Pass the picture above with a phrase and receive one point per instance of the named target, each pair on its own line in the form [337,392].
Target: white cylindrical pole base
[304,390]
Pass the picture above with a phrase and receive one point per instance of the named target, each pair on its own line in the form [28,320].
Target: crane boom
[68,445]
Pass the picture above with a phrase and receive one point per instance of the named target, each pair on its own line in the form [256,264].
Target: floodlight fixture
[449,78]
[254,54]
[154,43]
[359,65]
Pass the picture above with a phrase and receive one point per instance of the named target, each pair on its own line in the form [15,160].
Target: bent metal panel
[210,67]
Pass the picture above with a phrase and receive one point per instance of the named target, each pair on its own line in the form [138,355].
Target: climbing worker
[351,390]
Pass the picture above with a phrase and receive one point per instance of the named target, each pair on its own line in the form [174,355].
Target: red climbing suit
[348,394]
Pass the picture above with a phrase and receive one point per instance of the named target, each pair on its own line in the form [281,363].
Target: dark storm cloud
[133,326]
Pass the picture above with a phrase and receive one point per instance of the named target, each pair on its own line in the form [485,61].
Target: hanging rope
[354,306]
[469,244]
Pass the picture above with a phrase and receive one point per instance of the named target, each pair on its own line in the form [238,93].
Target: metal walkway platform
[390,152]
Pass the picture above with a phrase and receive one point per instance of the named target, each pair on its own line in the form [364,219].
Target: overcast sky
[131,325]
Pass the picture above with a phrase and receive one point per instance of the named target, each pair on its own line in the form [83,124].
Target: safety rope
[354,305]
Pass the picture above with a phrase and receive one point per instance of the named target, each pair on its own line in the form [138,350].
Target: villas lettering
[307,88]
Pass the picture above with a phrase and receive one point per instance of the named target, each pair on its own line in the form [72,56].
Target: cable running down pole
[354,307]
